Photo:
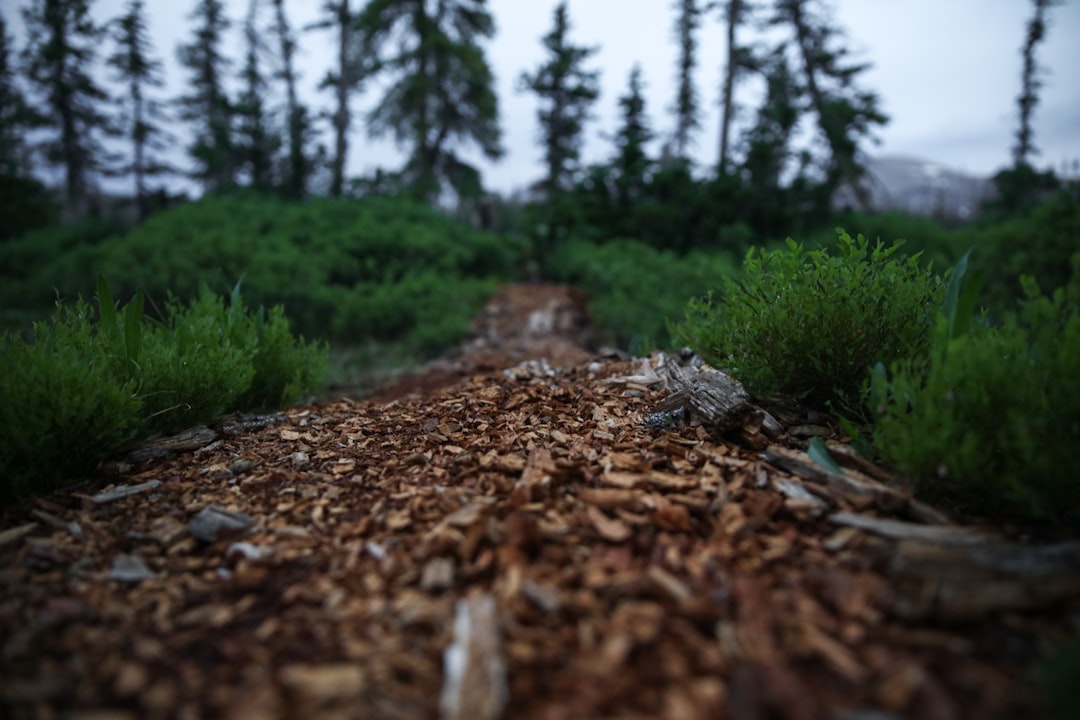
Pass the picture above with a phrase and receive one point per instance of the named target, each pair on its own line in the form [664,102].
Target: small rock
[241,466]
[300,460]
[213,523]
[129,568]
[249,551]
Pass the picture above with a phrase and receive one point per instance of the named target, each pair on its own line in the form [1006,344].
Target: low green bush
[635,289]
[988,421]
[810,324]
[93,379]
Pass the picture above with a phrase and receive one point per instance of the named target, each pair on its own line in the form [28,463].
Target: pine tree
[353,64]
[134,65]
[442,92]
[1030,84]
[58,60]
[686,107]
[767,145]
[739,60]
[632,164]
[845,114]
[566,91]
[255,141]
[207,106]
[298,125]
[16,115]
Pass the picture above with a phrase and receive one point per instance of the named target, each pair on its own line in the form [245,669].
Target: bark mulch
[518,544]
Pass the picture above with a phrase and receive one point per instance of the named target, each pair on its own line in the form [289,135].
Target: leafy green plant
[988,421]
[65,407]
[810,324]
[95,378]
[635,289]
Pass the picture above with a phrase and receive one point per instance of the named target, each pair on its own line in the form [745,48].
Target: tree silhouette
[58,61]
[442,90]
[207,106]
[566,91]
[255,142]
[1030,84]
[845,114]
[16,115]
[141,116]
[298,164]
[686,108]
[632,163]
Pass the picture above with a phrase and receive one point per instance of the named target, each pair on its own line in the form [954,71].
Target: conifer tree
[846,115]
[686,108]
[298,164]
[632,164]
[207,107]
[58,60]
[353,63]
[255,142]
[1030,84]
[16,115]
[442,91]
[566,91]
[739,60]
[134,65]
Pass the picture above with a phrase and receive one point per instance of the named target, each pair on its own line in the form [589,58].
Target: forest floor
[503,535]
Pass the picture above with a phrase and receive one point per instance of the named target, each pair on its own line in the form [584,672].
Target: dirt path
[319,565]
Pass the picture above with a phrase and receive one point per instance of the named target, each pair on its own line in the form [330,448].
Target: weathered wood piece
[970,581]
[853,486]
[713,397]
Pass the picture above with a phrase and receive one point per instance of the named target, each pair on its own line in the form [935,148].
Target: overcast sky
[947,72]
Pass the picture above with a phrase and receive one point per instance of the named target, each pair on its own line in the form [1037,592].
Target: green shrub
[989,421]
[635,289]
[810,325]
[64,405]
[93,379]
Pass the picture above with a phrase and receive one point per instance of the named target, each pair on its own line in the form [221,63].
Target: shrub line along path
[505,536]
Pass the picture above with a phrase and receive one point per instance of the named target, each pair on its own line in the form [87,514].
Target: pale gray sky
[947,71]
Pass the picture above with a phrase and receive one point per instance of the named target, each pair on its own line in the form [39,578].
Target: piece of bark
[969,581]
[123,491]
[475,671]
[715,398]
[852,485]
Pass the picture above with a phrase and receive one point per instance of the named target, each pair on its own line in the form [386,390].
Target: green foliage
[810,325]
[634,289]
[65,406]
[89,382]
[326,261]
[989,420]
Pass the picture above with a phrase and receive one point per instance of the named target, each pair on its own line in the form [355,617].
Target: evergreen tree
[353,64]
[442,92]
[58,61]
[767,147]
[566,91]
[686,107]
[134,65]
[255,141]
[207,105]
[298,125]
[632,164]
[16,115]
[739,60]
[1029,93]
[845,114]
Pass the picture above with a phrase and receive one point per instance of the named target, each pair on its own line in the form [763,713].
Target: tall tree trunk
[734,10]
[295,185]
[342,118]
[843,162]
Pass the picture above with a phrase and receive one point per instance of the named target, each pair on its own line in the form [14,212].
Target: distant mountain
[921,187]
